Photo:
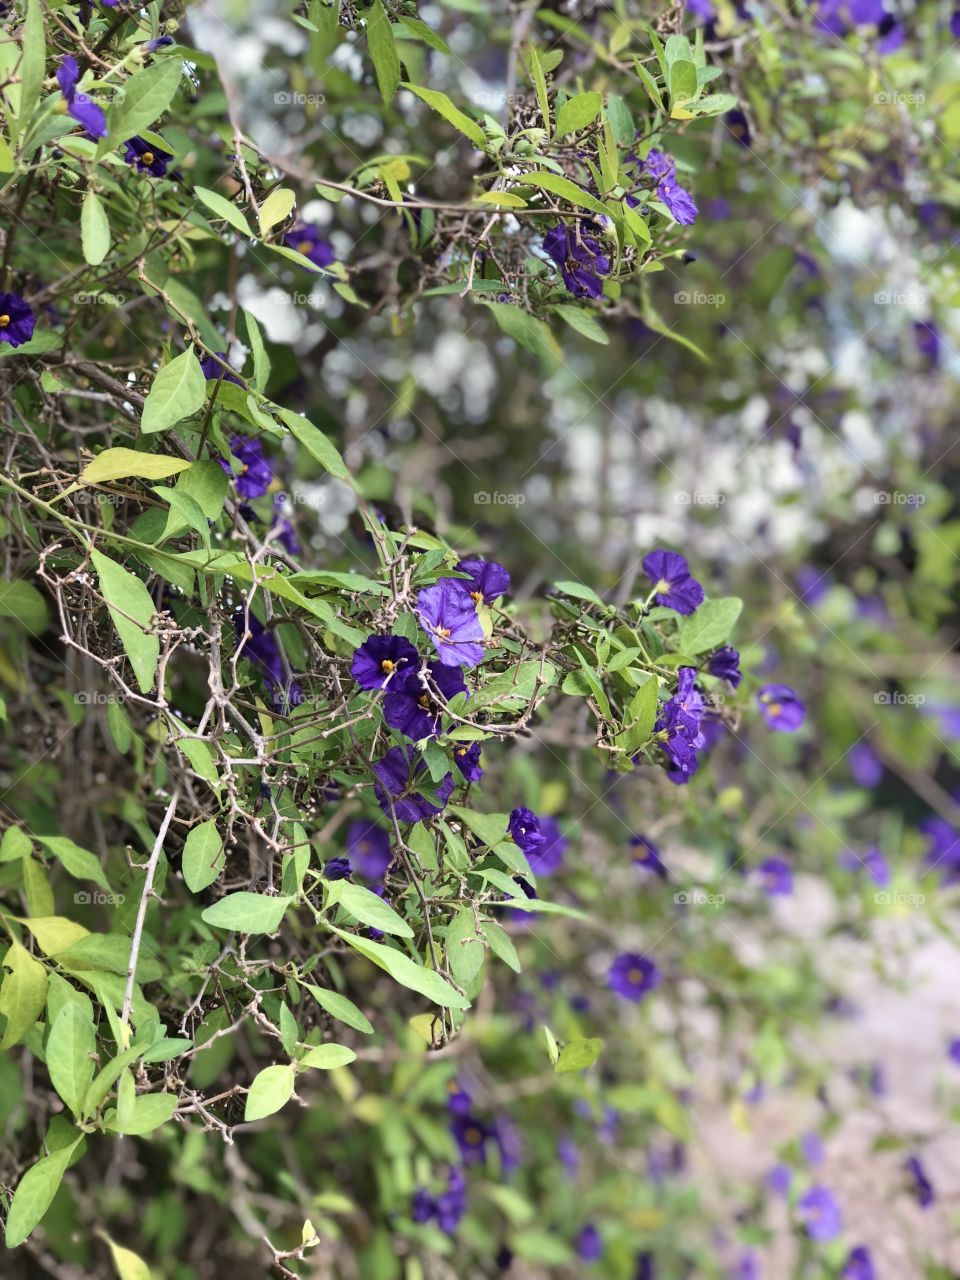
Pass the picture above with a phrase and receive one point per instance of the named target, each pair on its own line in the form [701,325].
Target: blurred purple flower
[633,976]
[776,876]
[83,109]
[369,848]
[311,243]
[858,1265]
[647,855]
[820,1214]
[403,780]
[781,707]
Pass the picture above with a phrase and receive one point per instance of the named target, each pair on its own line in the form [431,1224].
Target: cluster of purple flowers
[580,257]
[261,648]
[447,1208]
[660,170]
[678,729]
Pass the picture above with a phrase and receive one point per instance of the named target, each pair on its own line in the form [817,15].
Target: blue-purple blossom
[820,1214]
[776,877]
[404,784]
[255,476]
[311,243]
[547,857]
[17,321]
[871,860]
[487,580]
[633,976]
[369,849]
[261,648]
[580,256]
[568,1153]
[953,1050]
[678,728]
[448,614]
[926,336]
[282,530]
[161,42]
[811,1145]
[725,664]
[738,126]
[858,1265]
[662,169]
[866,767]
[445,1209]
[779,1179]
[147,158]
[674,587]
[381,660]
[471,1136]
[524,829]
[214,367]
[83,109]
[412,704]
[921,1186]
[467,759]
[647,855]
[781,707]
[589,1244]
[337,869]
[458,1099]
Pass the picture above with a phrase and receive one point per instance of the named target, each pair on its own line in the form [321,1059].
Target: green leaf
[23,994]
[641,716]
[581,320]
[577,112]
[131,609]
[178,390]
[223,208]
[202,856]
[270,1089]
[206,483]
[14,845]
[146,96]
[71,1045]
[94,229]
[23,602]
[578,591]
[247,912]
[145,1113]
[261,361]
[649,84]
[578,1054]
[501,945]
[315,443]
[368,908]
[327,1057]
[465,951]
[407,972]
[684,86]
[277,206]
[80,863]
[539,79]
[491,828]
[710,625]
[565,189]
[525,329]
[35,1192]
[128,1265]
[440,103]
[33,62]
[420,31]
[383,50]
[340,1007]
[121,464]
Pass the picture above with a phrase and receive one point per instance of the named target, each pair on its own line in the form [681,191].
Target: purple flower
[748,1268]
[146,158]
[702,10]
[820,1214]
[381,660]
[83,109]
[525,830]
[632,976]
[663,170]
[781,707]
[337,869]
[448,614]
[467,760]
[953,1050]
[487,581]
[811,1144]
[471,1136]
[725,664]
[254,477]
[580,257]
[866,767]
[447,1208]
[673,585]
[678,728]
[777,877]
[402,781]
[647,855]
[424,1206]
[261,648]
[17,320]
[779,1179]
[738,127]
[926,336]
[922,1187]
[369,848]
[283,530]
[568,1153]
[943,848]
[589,1244]
[458,1100]
[161,42]
[955,24]
[308,241]
[891,35]
[411,704]
[212,367]
[858,1265]
[546,858]
[872,861]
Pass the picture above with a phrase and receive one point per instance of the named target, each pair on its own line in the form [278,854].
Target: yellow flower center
[775,708]
[424,700]
[304,246]
[443,633]
[662,587]
[477,597]
[634,975]
[387,666]
[462,751]
[4,320]
[148,157]
[474,1137]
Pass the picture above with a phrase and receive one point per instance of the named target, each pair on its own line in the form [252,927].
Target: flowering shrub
[360,882]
